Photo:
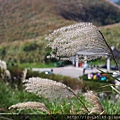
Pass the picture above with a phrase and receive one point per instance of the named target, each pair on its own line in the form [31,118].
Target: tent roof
[91,53]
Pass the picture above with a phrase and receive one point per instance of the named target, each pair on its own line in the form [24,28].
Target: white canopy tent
[92,54]
[81,39]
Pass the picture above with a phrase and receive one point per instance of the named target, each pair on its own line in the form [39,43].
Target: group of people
[97,76]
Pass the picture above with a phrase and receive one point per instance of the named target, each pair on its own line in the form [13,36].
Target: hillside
[100,12]
[112,34]
[27,19]
[33,50]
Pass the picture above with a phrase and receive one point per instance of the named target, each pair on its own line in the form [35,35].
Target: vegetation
[16,51]
[23,20]
[25,52]
[12,96]
[97,85]
[97,12]
[22,29]
[112,34]
[70,106]
[14,101]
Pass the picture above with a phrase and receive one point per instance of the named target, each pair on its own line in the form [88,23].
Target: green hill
[33,50]
[112,34]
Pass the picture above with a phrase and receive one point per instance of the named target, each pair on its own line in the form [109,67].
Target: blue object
[48,72]
[103,78]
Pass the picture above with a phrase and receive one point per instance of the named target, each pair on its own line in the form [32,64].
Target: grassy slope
[24,24]
[16,50]
[22,20]
[97,12]
[112,34]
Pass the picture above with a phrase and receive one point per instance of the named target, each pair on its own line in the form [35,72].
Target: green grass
[36,65]
[60,109]
[33,51]
[12,96]
[67,106]
[28,37]
[97,86]
[111,108]
[9,96]
[112,34]
[102,62]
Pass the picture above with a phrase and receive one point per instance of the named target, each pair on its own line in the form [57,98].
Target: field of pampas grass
[47,96]
[87,103]
[52,99]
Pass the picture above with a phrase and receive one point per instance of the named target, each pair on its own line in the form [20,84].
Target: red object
[80,64]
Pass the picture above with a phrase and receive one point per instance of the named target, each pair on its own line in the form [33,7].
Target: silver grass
[47,88]
[50,89]
[84,37]
[94,104]
[30,105]
[115,89]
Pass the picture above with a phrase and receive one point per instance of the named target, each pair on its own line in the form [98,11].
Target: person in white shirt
[85,66]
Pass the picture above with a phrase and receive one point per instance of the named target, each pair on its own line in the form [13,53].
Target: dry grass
[28,21]
[83,36]
[22,20]
[54,90]
[47,88]
[30,105]
[95,106]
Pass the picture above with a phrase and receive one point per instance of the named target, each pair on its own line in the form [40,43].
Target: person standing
[85,66]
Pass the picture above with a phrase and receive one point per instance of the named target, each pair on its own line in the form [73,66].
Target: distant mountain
[26,19]
[118,2]
[114,1]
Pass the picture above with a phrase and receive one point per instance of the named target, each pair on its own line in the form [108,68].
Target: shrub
[30,47]
[16,76]
[71,82]
[31,73]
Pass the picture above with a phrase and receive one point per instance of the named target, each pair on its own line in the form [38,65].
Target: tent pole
[108,63]
[77,61]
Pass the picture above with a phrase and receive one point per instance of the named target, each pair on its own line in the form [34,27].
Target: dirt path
[67,71]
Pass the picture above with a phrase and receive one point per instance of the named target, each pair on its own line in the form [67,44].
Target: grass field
[65,106]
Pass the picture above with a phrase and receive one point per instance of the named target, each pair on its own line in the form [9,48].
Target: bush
[32,74]
[97,85]
[30,47]
[109,79]
[71,82]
